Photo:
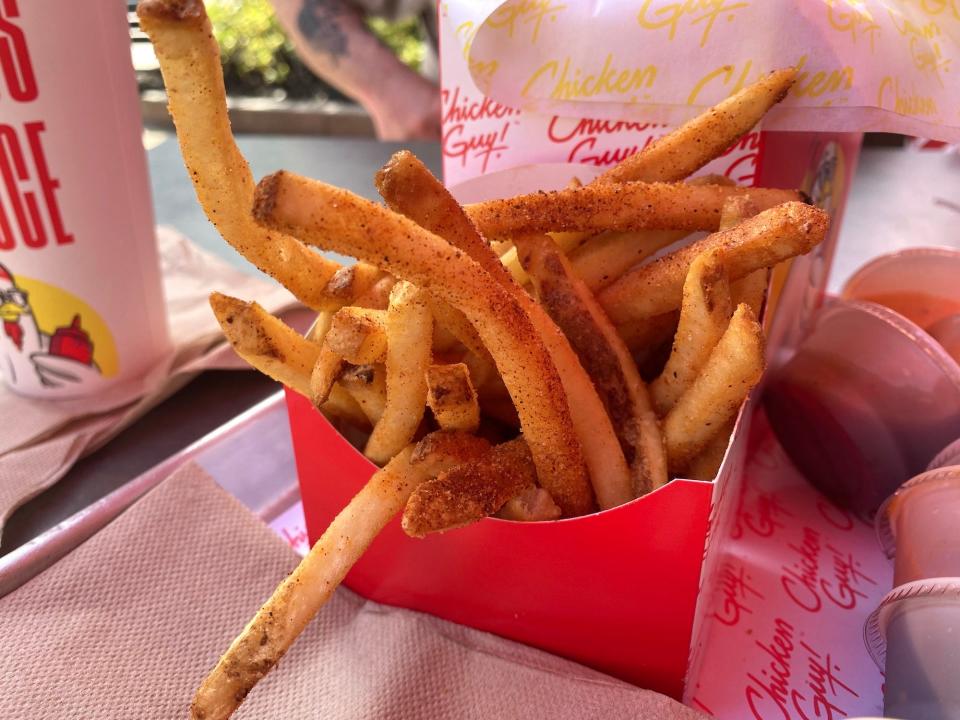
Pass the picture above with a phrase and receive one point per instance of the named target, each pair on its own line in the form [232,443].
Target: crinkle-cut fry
[470,491]
[338,220]
[265,342]
[605,257]
[367,385]
[605,358]
[299,597]
[734,367]
[532,504]
[618,206]
[692,145]
[190,63]
[409,329]
[706,464]
[704,314]
[427,202]
[452,398]
[762,241]
[359,335]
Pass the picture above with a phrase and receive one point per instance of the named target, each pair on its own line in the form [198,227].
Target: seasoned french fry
[377,296]
[566,241]
[424,199]
[605,257]
[470,491]
[190,64]
[605,358]
[762,241]
[452,398]
[752,288]
[457,324]
[341,405]
[265,342]
[351,282]
[734,367]
[617,206]
[532,504]
[691,146]
[706,464]
[324,374]
[367,385]
[272,631]
[368,231]
[409,329]
[704,314]
[358,335]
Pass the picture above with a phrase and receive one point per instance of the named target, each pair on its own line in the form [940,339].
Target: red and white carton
[619,590]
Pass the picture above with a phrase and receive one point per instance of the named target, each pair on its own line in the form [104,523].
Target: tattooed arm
[333,41]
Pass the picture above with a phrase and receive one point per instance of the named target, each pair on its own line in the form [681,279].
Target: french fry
[470,491]
[752,288]
[190,63]
[358,335]
[762,241]
[341,405]
[615,206]
[324,374]
[532,504]
[427,202]
[706,464]
[452,398]
[685,150]
[265,342]
[568,242]
[695,143]
[605,358]
[704,314]
[409,330]
[457,324]
[605,257]
[272,631]
[734,367]
[367,385]
[368,231]
[351,282]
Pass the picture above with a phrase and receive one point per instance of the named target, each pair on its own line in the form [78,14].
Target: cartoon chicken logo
[28,355]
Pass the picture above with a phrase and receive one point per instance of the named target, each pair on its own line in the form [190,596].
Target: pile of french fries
[490,356]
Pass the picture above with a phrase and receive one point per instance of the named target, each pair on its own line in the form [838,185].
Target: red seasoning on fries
[477,397]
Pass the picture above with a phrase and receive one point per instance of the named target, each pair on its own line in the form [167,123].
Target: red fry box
[616,590]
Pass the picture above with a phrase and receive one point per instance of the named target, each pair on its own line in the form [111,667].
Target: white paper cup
[81,304]
[919,526]
[913,635]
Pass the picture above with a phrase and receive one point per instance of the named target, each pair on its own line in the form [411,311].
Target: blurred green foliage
[259,59]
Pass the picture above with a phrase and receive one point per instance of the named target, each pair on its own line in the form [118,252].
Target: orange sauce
[921,308]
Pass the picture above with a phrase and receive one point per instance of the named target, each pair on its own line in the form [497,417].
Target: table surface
[900,198]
